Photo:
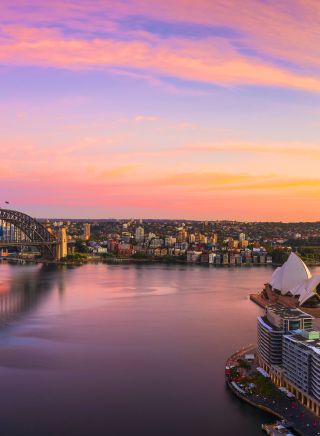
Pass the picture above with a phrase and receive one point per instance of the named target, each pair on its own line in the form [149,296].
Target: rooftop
[287,312]
[301,338]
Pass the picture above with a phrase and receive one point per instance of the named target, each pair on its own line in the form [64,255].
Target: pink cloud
[210,60]
[286,30]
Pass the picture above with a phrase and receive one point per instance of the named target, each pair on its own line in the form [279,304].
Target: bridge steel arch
[35,232]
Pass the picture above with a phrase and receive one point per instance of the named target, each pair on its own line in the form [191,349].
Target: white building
[301,361]
[294,278]
[139,234]
[193,256]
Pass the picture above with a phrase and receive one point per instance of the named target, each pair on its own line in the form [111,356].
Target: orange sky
[204,110]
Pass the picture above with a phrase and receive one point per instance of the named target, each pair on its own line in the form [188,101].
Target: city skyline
[194,110]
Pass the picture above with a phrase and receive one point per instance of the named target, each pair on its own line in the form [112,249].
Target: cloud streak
[211,60]
[183,106]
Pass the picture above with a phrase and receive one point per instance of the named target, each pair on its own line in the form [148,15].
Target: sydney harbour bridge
[20,230]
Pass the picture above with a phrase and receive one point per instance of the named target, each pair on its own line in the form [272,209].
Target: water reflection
[24,288]
[124,350]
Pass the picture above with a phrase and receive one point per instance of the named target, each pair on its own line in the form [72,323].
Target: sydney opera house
[293,279]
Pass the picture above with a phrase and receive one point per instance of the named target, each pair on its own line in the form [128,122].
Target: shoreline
[264,302]
[281,407]
[260,407]
[126,260]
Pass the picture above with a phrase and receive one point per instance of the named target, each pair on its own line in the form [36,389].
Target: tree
[81,247]
[279,256]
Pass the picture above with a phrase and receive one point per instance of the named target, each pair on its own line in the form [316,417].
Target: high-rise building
[139,234]
[86,231]
[242,236]
[278,321]
[192,238]
[214,238]
[297,359]
[289,350]
[301,366]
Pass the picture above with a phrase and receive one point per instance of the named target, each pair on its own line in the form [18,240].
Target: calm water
[124,350]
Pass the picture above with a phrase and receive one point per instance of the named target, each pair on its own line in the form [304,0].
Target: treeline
[310,253]
[310,242]
[279,256]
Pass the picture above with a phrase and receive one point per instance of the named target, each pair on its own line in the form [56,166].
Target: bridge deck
[26,243]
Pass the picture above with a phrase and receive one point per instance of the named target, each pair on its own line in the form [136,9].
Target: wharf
[244,383]
[261,300]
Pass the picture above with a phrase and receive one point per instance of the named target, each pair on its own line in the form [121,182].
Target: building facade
[289,350]
[86,231]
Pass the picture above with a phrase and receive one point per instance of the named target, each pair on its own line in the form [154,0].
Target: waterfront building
[238,259]
[124,249]
[294,279]
[262,259]
[277,321]
[297,359]
[289,350]
[301,366]
[211,258]
[218,259]
[205,258]
[193,256]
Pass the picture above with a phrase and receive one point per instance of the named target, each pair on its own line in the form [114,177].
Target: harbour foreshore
[263,302]
[282,407]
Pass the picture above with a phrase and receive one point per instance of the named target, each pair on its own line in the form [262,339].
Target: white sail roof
[307,289]
[292,274]
[276,278]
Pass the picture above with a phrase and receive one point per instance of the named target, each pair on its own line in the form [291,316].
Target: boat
[280,428]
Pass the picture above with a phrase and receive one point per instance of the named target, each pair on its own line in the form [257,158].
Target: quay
[266,297]
[250,383]
[259,300]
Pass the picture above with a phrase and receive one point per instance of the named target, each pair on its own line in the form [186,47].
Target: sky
[206,109]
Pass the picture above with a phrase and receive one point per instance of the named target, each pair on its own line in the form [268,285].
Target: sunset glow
[184,109]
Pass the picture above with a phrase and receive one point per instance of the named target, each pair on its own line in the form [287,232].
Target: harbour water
[124,350]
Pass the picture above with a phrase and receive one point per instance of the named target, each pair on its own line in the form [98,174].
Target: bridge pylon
[62,245]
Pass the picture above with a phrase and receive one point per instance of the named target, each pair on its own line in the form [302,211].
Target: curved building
[269,342]
[292,273]
[308,292]
[294,279]
[277,321]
